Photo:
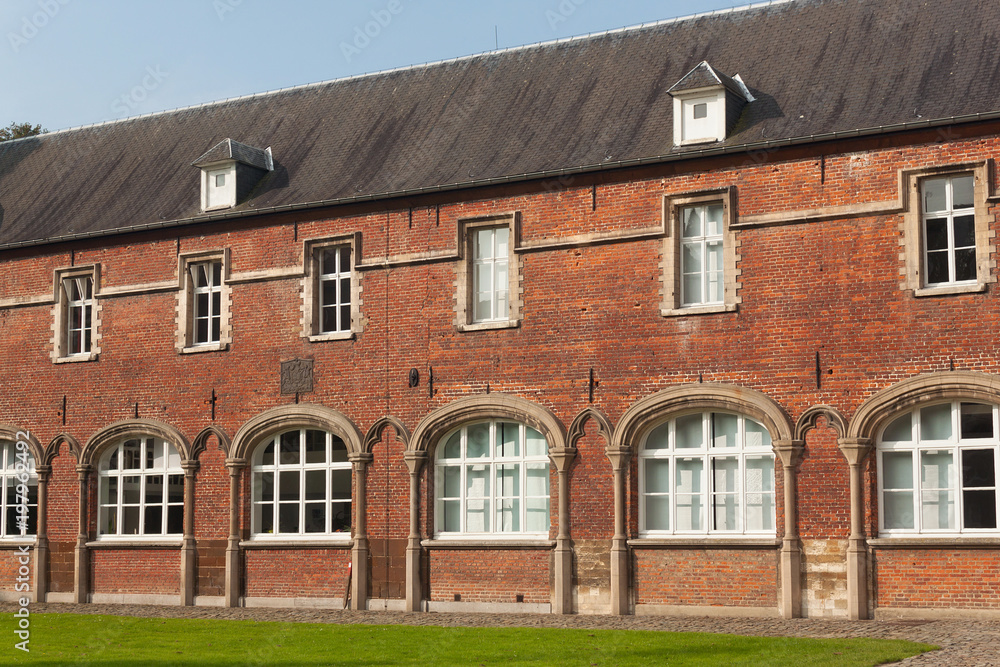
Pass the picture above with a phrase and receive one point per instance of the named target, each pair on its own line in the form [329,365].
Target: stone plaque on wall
[296,376]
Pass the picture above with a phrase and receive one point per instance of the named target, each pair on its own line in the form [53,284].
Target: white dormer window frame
[218,186]
[700,115]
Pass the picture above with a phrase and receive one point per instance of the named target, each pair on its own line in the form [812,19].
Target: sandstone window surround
[203,296]
[488,274]
[76,315]
[700,253]
[946,236]
[331,288]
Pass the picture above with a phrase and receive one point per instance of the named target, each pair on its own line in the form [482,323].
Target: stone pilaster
[789,452]
[359,552]
[414,587]
[188,547]
[233,573]
[562,602]
[855,450]
[81,569]
[619,457]
[40,587]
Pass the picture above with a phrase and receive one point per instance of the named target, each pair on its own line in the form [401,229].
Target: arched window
[141,489]
[707,473]
[937,470]
[492,478]
[301,485]
[17,469]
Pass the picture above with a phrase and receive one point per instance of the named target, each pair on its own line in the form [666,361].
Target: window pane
[340,484]
[934,194]
[453,448]
[759,474]
[537,515]
[502,236]
[154,489]
[965,264]
[267,457]
[900,430]
[329,290]
[689,432]
[935,422]
[264,486]
[965,231]
[724,429]
[109,490]
[315,485]
[689,512]
[131,455]
[109,520]
[175,488]
[289,448]
[340,517]
[329,259]
[691,285]
[725,474]
[979,509]
[288,518]
[267,518]
[484,306]
[937,510]
[451,478]
[315,447]
[315,517]
[714,220]
[534,443]
[483,244]
[691,226]
[976,421]
[345,290]
[756,434]
[175,519]
[936,470]
[937,267]
[201,331]
[962,191]
[691,258]
[897,509]
[508,515]
[477,491]
[538,481]
[725,509]
[216,273]
[657,475]
[508,480]
[897,470]
[153,520]
[659,437]
[345,259]
[131,490]
[130,521]
[508,436]
[288,485]
[688,475]
[478,441]
[338,450]
[937,233]
[452,516]
[977,468]
[657,512]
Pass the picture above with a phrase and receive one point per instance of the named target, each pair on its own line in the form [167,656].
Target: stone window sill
[947,290]
[196,349]
[699,310]
[132,543]
[722,542]
[490,326]
[76,358]
[339,335]
[917,542]
[304,543]
[487,543]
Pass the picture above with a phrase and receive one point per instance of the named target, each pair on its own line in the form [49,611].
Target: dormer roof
[228,149]
[705,76]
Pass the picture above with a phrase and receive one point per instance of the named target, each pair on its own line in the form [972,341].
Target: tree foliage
[19,130]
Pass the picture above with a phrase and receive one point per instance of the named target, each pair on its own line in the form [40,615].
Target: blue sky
[74,62]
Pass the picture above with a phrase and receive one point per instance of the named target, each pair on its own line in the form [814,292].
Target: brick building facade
[595,326]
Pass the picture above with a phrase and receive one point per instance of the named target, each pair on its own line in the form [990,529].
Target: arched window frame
[119,510]
[706,493]
[498,508]
[16,461]
[336,473]
[893,476]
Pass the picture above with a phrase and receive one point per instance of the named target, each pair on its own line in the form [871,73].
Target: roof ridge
[426,65]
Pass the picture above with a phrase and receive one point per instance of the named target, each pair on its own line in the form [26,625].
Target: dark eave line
[518,178]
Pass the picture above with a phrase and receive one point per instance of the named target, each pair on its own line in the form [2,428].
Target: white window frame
[211,311]
[502,315]
[11,455]
[63,332]
[707,492]
[333,530]
[497,263]
[708,275]
[949,214]
[168,466]
[81,336]
[314,277]
[496,502]
[916,446]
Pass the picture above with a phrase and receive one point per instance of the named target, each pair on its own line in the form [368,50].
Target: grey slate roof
[704,75]
[814,66]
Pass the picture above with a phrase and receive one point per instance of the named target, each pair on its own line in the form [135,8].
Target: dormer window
[707,105]
[230,172]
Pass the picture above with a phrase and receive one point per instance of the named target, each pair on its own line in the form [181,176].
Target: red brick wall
[937,578]
[150,571]
[290,573]
[489,575]
[736,578]
[830,287]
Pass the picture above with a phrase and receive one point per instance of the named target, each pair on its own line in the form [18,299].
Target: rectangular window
[949,229]
[702,273]
[79,295]
[334,289]
[490,278]
[206,279]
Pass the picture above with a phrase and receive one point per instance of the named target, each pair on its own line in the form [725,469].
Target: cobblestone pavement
[962,642]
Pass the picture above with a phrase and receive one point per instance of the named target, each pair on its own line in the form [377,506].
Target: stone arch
[647,412]
[200,443]
[52,449]
[487,406]
[12,434]
[287,417]
[374,434]
[134,427]
[579,425]
[920,390]
[808,420]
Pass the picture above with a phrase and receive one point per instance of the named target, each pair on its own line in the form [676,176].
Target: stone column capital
[855,449]
[789,451]
[236,465]
[83,469]
[190,467]
[619,457]
[414,460]
[562,457]
[360,459]
[43,473]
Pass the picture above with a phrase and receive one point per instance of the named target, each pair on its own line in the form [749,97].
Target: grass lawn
[72,639]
